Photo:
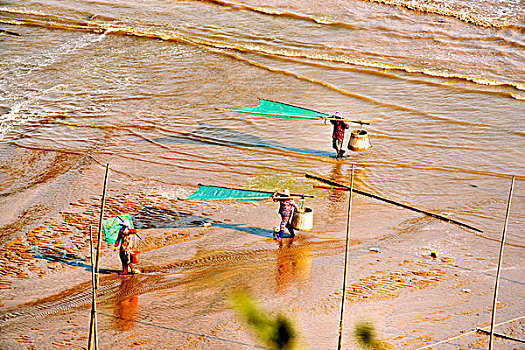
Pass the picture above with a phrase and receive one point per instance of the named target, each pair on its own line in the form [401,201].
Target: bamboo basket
[303,219]
[359,141]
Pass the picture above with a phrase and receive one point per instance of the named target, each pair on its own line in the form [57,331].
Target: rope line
[464,334]
[479,330]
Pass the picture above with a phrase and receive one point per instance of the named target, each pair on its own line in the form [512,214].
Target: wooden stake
[437,216]
[93,331]
[93,338]
[100,227]
[341,321]
[495,300]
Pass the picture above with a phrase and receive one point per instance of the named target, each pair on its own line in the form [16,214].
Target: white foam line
[14,117]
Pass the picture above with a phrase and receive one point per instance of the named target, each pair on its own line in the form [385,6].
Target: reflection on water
[336,196]
[126,307]
[293,264]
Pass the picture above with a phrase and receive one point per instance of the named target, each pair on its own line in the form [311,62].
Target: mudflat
[429,282]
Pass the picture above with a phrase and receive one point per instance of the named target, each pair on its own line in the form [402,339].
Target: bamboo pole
[242,189]
[495,300]
[100,227]
[349,214]
[93,331]
[291,116]
[93,339]
[437,216]
[10,33]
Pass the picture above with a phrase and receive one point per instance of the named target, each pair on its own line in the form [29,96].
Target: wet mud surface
[193,257]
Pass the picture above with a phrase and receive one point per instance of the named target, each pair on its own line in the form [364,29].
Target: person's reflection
[127,304]
[336,196]
[293,263]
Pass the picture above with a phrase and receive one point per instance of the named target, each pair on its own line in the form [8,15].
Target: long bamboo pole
[100,226]
[10,32]
[498,335]
[495,300]
[242,189]
[93,341]
[291,116]
[437,216]
[93,331]
[348,217]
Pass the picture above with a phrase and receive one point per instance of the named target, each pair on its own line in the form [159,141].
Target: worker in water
[338,134]
[125,241]
[286,208]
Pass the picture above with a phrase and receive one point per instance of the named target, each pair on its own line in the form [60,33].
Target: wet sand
[180,301]
[137,85]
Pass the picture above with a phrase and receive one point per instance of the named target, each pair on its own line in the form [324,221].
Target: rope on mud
[464,334]
[399,204]
[480,330]
[201,335]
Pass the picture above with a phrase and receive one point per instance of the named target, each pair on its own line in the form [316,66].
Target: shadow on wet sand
[152,217]
[210,134]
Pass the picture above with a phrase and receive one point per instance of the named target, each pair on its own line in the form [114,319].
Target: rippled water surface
[138,84]
[141,81]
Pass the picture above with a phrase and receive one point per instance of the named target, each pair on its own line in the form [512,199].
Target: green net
[215,192]
[111,227]
[274,109]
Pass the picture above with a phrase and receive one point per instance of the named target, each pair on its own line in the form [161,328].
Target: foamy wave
[274,12]
[363,63]
[518,97]
[169,36]
[443,9]
[16,117]
[446,10]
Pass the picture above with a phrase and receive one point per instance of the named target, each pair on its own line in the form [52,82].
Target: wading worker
[286,208]
[125,240]
[338,134]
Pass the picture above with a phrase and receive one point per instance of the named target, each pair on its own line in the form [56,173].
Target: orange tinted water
[136,85]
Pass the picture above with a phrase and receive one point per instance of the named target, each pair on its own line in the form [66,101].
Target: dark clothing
[337,145]
[338,136]
[339,129]
[286,206]
[286,223]
[125,257]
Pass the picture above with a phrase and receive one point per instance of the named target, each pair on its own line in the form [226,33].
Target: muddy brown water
[137,84]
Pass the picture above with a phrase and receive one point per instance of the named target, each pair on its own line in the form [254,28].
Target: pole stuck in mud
[348,217]
[93,339]
[496,286]
[93,336]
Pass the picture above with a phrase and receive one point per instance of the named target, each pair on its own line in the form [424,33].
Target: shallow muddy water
[137,85]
